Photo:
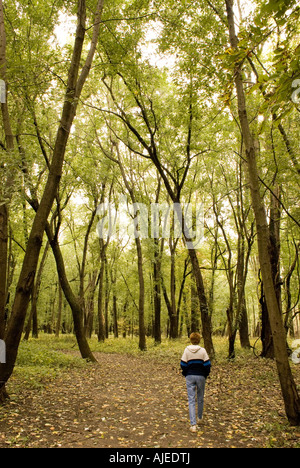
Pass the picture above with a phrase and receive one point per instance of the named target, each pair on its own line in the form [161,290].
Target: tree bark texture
[76,307]
[138,243]
[288,386]
[6,185]
[26,279]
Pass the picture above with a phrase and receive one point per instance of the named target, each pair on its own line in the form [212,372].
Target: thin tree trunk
[157,291]
[59,314]
[266,332]
[275,220]
[158,250]
[242,272]
[205,317]
[74,303]
[274,228]
[101,322]
[194,308]
[6,187]
[90,307]
[3,265]
[32,322]
[288,322]
[84,256]
[142,329]
[173,318]
[115,316]
[288,386]
[107,296]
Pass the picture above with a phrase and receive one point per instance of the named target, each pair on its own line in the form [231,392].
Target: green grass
[42,359]
[59,353]
[168,349]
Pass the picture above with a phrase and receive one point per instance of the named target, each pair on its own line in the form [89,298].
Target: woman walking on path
[195,365]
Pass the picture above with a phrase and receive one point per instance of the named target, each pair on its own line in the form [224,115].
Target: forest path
[125,401]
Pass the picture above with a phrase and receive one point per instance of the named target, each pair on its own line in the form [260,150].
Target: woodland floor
[129,401]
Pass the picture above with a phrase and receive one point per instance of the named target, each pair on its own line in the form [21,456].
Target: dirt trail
[126,401]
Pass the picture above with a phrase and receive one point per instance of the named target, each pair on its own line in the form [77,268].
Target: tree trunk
[28,271]
[274,228]
[6,186]
[173,318]
[101,322]
[115,316]
[142,330]
[288,386]
[59,313]
[90,307]
[74,303]
[205,317]
[3,266]
[242,272]
[243,325]
[84,256]
[275,220]
[288,322]
[157,292]
[266,332]
[32,322]
[194,308]
[106,305]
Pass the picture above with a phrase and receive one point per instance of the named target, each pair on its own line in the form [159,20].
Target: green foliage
[163,60]
[47,356]
[42,360]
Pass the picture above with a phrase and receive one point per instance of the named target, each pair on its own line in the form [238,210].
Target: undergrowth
[48,358]
[44,358]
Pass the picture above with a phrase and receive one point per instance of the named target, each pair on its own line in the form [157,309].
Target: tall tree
[129,186]
[7,184]
[150,144]
[288,386]
[76,81]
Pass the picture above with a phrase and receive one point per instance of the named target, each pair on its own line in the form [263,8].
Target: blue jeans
[195,383]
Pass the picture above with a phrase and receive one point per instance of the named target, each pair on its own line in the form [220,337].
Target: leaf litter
[135,402]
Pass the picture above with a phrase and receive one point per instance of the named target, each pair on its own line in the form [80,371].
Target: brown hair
[195,338]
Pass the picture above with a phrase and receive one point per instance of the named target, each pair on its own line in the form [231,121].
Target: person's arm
[206,364]
[184,364]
